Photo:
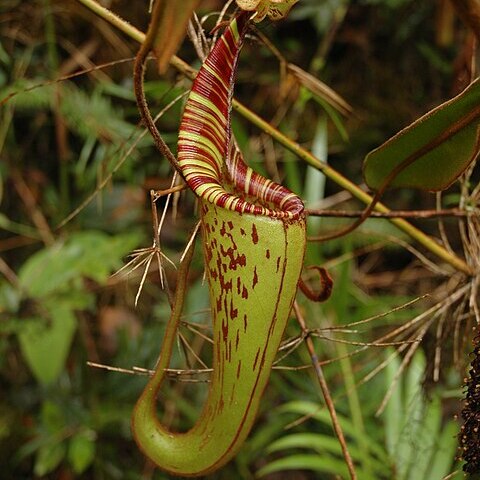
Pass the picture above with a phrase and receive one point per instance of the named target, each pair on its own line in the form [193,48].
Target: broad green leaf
[48,458]
[438,146]
[81,451]
[91,254]
[45,345]
[394,410]
[9,299]
[314,441]
[406,451]
[53,419]
[444,453]
[50,270]
[314,463]
[314,179]
[313,410]
[316,411]
[426,439]
[322,444]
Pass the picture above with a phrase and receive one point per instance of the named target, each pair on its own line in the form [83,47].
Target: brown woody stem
[451,212]
[138,75]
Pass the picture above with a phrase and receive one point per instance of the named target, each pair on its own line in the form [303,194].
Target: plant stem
[50,37]
[326,392]
[36,214]
[354,405]
[450,212]
[305,155]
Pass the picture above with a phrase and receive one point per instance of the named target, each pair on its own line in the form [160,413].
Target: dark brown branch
[452,212]
[138,75]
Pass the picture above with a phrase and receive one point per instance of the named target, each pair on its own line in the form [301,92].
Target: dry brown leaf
[172,29]
[317,87]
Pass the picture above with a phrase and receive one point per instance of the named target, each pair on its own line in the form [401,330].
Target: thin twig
[117,167]
[138,86]
[171,372]
[364,344]
[189,348]
[33,210]
[380,315]
[326,393]
[78,73]
[169,191]
[9,274]
[405,361]
[452,212]
[197,332]
[191,240]
[441,225]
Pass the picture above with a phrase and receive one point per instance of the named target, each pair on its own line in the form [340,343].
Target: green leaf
[53,419]
[27,96]
[101,254]
[407,450]
[81,451]
[427,438]
[45,345]
[9,299]
[314,179]
[4,57]
[85,113]
[394,410]
[314,463]
[322,444]
[48,458]
[437,147]
[91,254]
[314,441]
[312,410]
[444,453]
[14,227]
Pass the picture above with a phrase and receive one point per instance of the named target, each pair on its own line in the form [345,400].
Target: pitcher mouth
[250,193]
[208,157]
[230,183]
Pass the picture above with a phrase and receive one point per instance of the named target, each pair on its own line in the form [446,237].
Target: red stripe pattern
[208,156]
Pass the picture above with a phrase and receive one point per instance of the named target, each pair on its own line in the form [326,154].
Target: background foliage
[63,141]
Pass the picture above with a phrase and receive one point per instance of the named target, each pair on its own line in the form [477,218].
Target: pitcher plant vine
[254,234]
[254,241]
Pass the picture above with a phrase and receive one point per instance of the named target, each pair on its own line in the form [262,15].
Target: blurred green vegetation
[64,141]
